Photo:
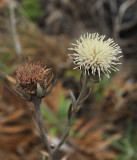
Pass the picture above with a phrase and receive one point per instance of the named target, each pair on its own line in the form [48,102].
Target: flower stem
[72,114]
[82,90]
[36,102]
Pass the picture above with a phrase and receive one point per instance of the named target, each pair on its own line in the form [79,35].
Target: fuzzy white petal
[96,55]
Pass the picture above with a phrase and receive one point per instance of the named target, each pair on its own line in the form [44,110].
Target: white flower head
[95,55]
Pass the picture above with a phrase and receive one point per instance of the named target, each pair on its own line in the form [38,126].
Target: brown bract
[33,79]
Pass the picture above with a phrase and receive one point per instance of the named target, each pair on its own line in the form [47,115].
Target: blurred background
[42,30]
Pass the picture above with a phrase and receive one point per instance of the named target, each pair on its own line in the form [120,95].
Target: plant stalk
[72,115]
[36,103]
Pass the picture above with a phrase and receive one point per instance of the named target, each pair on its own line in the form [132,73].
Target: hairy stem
[36,103]
[82,90]
[72,114]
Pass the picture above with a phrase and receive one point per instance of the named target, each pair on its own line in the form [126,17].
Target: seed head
[94,55]
[33,79]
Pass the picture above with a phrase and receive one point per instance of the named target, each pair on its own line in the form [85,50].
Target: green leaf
[63,107]
[48,115]
[33,9]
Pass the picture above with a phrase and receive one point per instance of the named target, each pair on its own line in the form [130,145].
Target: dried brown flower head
[33,79]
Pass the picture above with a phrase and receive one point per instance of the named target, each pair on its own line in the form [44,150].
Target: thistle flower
[33,79]
[94,55]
